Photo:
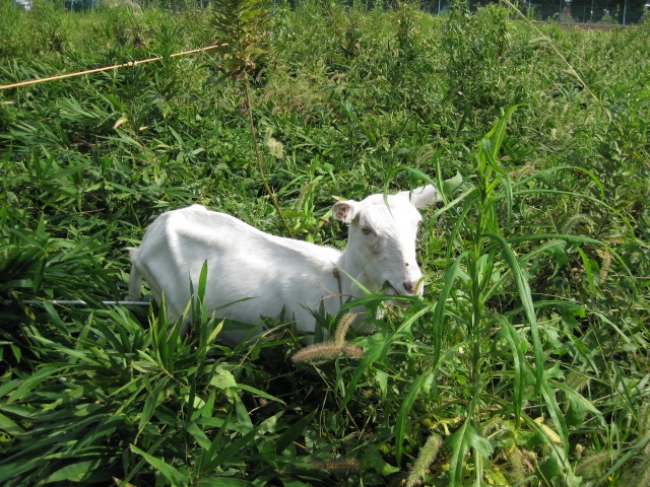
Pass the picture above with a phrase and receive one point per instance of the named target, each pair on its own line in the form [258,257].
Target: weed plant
[526,361]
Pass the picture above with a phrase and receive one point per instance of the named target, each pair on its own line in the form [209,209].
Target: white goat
[280,273]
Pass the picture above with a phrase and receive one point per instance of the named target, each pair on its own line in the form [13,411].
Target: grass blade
[174,476]
[404,411]
[526,298]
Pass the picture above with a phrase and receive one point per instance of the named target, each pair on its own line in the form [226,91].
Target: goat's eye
[366,230]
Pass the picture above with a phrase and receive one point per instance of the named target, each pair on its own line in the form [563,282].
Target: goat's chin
[390,290]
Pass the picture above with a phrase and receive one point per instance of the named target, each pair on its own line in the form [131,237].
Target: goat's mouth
[388,288]
[391,290]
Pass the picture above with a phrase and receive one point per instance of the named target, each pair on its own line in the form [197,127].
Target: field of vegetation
[526,362]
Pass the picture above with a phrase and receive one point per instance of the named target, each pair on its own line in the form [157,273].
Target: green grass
[526,361]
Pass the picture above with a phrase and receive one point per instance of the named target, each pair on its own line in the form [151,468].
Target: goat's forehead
[377,199]
[374,208]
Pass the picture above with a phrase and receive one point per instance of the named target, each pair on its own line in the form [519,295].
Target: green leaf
[9,426]
[203,279]
[526,298]
[242,413]
[233,449]
[554,411]
[451,185]
[578,407]
[223,482]
[439,314]
[479,443]
[9,386]
[198,435]
[378,349]
[175,477]
[404,410]
[372,458]
[515,342]
[459,444]
[498,132]
[293,432]
[295,483]
[33,381]
[225,424]
[223,379]
[586,264]
[154,398]
[260,393]
[75,472]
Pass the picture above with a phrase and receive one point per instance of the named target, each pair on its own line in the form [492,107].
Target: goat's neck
[348,267]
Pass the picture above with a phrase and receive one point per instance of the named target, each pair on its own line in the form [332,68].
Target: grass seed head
[596,464]
[352,351]
[318,352]
[343,327]
[427,455]
[341,466]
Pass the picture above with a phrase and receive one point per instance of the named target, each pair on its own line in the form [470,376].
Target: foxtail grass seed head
[596,464]
[641,477]
[276,148]
[341,466]
[638,476]
[606,264]
[427,455]
[318,352]
[519,465]
[644,417]
[343,327]
[577,381]
[352,351]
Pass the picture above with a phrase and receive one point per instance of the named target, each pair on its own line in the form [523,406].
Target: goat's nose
[408,287]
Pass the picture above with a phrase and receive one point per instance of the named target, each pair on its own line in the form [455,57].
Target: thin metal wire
[97,70]
[78,302]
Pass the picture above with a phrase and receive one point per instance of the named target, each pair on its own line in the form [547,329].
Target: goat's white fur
[279,273]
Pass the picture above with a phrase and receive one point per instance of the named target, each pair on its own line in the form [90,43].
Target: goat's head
[382,232]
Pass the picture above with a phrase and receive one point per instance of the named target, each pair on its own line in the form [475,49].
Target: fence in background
[566,12]
[560,11]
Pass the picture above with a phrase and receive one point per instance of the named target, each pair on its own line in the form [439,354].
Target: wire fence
[585,14]
[76,303]
[564,12]
[625,12]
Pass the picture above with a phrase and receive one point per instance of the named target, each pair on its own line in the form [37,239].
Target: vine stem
[258,156]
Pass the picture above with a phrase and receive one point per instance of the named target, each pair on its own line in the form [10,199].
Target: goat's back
[242,263]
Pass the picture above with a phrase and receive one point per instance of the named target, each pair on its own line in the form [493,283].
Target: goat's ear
[424,196]
[345,211]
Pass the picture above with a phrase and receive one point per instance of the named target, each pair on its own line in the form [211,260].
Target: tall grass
[525,363]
